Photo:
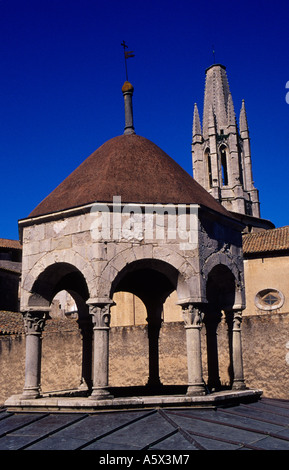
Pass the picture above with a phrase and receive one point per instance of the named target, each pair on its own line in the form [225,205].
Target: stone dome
[134,168]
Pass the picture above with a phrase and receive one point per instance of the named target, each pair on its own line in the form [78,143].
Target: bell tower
[221,151]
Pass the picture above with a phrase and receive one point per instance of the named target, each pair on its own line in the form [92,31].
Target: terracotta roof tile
[268,241]
[11,323]
[6,243]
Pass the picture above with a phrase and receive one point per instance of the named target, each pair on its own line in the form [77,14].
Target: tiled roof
[11,323]
[267,241]
[6,243]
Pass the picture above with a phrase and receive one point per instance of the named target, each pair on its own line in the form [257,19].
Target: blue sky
[62,70]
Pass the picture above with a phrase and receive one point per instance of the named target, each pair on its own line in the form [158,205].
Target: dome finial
[127,91]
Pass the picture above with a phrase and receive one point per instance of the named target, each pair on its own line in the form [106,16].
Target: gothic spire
[230,111]
[221,155]
[216,95]
[197,130]
[243,123]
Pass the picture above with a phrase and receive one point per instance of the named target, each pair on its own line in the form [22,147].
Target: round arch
[167,261]
[55,278]
[232,269]
[57,258]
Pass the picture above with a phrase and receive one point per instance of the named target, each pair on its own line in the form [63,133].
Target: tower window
[209,167]
[224,167]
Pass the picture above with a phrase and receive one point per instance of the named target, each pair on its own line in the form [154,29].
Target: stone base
[55,403]
[100,394]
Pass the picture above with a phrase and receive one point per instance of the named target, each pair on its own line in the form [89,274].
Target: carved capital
[237,320]
[34,322]
[100,316]
[234,319]
[193,316]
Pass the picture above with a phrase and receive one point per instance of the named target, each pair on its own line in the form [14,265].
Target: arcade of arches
[152,284]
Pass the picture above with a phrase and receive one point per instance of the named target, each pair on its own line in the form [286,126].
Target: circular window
[269,299]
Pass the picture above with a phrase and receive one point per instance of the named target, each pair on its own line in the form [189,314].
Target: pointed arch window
[224,165]
[209,167]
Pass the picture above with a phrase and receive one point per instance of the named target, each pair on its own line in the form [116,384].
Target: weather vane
[127,55]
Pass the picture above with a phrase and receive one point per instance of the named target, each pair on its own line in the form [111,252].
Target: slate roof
[134,168]
[274,240]
[262,425]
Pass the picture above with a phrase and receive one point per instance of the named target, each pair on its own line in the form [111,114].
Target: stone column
[85,325]
[34,322]
[211,320]
[154,311]
[234,319]
[100,312]
[193,318]
[238,382]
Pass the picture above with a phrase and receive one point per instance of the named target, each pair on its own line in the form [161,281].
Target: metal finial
[127,55]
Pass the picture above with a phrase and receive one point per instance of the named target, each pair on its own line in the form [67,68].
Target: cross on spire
[127,55]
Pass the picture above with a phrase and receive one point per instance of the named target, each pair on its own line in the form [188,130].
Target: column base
[100,394]
[196,390]
[154,383]
[30,393]
[239,385]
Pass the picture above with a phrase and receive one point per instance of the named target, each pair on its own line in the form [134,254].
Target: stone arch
[226,260]
[55,278]
[224,289]
[152,281]
[56,259]
[157,256]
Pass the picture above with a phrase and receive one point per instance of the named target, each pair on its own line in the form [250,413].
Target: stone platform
[67,401]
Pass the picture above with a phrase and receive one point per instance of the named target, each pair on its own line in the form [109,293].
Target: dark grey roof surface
[262,425]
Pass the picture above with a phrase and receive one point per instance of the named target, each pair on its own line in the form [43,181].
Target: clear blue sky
[62,70]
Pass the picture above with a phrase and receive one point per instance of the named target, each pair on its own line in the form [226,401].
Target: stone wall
[265,355]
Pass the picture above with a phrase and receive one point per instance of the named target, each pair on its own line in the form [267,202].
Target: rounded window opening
[269,299]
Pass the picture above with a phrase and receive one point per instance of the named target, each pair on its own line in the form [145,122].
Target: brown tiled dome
[132,167]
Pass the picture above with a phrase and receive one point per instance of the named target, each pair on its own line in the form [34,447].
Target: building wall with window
[266,269]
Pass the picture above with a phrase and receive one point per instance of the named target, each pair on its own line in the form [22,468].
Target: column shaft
[238,381]
[193,324]
[101,320]
[34,324]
